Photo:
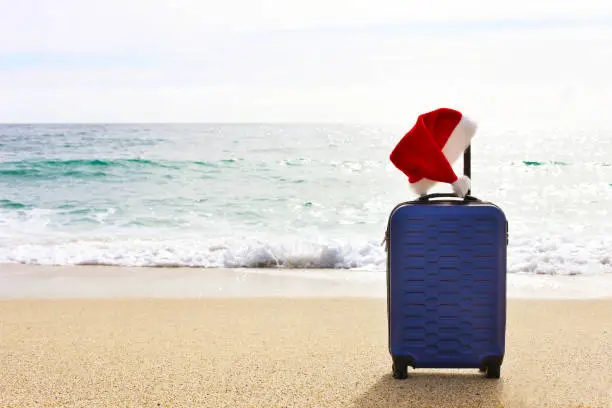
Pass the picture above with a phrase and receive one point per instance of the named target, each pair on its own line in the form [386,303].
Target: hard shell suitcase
[446,283]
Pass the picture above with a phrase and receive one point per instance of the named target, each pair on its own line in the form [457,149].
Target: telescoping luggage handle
[467,170]
[467,162]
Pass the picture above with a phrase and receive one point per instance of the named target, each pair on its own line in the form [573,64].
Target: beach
[241,265]
[276,351]
[201,204]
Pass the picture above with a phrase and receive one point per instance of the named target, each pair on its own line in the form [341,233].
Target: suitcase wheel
[493,370]
[400,371]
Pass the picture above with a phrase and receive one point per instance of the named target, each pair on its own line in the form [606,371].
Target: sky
[518,63]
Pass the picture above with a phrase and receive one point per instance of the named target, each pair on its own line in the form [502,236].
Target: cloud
[308,61]
[119,26]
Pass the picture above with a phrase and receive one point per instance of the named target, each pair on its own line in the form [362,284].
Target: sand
[95,282]
[275,352]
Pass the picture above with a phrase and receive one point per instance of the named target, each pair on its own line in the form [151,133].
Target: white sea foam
[548,255]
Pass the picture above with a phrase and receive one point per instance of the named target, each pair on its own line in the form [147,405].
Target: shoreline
[18,281]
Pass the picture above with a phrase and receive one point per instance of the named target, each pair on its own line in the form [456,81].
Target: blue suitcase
[446,284]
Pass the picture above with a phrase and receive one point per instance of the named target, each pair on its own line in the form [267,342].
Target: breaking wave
[542,255]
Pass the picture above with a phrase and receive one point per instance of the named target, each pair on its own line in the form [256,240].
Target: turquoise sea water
[276,195]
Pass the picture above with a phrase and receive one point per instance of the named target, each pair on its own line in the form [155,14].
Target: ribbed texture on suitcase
[447,266]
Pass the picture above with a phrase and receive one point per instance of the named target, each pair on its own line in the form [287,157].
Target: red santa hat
[426,153]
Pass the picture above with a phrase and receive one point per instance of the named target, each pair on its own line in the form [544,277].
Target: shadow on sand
[428,388]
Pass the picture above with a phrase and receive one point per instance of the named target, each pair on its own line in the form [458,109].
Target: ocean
[294,196]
